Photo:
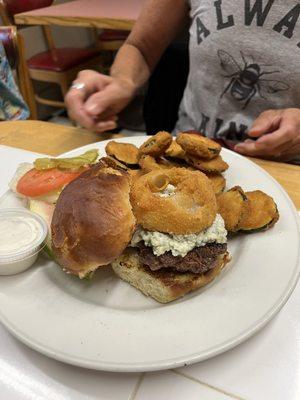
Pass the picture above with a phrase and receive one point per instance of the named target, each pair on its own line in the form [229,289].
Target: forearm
[131,67]
[158,24]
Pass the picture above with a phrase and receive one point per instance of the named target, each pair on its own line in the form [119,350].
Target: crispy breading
[175,151]
[197,145]
[214,165]
[262,212]
[156,145]
[232,206]
[218,182]
[191,209]
[125,152]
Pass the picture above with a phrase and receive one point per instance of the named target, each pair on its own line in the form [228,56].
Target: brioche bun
[92,222]
[163,285]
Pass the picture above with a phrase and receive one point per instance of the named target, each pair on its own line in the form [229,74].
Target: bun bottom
[163,285]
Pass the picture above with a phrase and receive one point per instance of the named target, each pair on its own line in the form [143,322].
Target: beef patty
[199,260]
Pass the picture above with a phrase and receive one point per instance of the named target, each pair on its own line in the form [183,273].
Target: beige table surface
[116,14]
[53,139]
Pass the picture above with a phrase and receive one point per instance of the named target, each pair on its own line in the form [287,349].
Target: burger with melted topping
[166,265]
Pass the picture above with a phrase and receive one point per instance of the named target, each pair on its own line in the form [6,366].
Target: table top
[245,372]
[116,14]
[53,139]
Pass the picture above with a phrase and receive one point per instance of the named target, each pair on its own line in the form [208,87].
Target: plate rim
[186,359]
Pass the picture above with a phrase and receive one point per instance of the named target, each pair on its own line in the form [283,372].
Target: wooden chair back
[13,44]
[8,37]
[4,14]
[8,8]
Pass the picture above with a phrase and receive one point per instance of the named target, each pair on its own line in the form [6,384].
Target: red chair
[56,65]
[112,39]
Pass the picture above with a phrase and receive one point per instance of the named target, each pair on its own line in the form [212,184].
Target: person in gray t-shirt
[244,80]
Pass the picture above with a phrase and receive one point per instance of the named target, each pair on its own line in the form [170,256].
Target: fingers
[278,138]
[102,103]
[75,98]
[254,149]
[267,122]
[272,144]
[105,126]
[74,101]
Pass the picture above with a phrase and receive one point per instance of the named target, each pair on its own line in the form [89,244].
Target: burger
[161,234]
[180,242]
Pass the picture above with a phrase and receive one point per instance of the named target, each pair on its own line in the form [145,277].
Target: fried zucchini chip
[199,146]
[175,151]
[218,182]
[233,205]
[170,163]
[110,162]
[262,213]
[125,152]
[148,163]
[215,165]
[156,145]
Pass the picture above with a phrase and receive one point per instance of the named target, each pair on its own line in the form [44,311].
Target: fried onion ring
[190,209]
[156,145]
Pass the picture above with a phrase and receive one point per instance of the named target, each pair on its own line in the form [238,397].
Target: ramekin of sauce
[22,236]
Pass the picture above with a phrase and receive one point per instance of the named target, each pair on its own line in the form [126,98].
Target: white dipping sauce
[18,233]
[22,234]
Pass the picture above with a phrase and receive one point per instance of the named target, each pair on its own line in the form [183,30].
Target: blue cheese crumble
[180,245]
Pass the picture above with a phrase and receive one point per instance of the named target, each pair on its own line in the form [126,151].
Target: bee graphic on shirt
[248,80]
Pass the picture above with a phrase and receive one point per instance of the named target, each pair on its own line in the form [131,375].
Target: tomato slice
[38,183]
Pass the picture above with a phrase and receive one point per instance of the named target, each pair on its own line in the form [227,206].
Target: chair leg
[64,85]
[25,82]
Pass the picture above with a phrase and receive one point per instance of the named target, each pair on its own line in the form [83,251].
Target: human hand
[95,106]
[278,133]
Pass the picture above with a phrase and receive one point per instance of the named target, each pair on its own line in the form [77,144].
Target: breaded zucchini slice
[215,165]
[233,206]
[124,152]
[218,182]
[156,145]
[262,213]
[199,146]
[175,151]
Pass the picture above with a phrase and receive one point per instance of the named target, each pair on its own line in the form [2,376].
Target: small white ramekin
[19,261]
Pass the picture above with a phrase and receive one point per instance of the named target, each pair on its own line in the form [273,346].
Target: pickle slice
[72,163]
[262,213]
[232,206]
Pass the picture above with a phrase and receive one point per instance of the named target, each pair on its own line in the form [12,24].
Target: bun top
[93,221]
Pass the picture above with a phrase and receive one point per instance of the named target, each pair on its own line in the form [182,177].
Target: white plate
[108,325]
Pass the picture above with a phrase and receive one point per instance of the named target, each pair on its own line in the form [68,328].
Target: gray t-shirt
[244,59]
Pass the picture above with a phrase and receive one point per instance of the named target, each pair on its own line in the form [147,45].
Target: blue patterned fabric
[12,105]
